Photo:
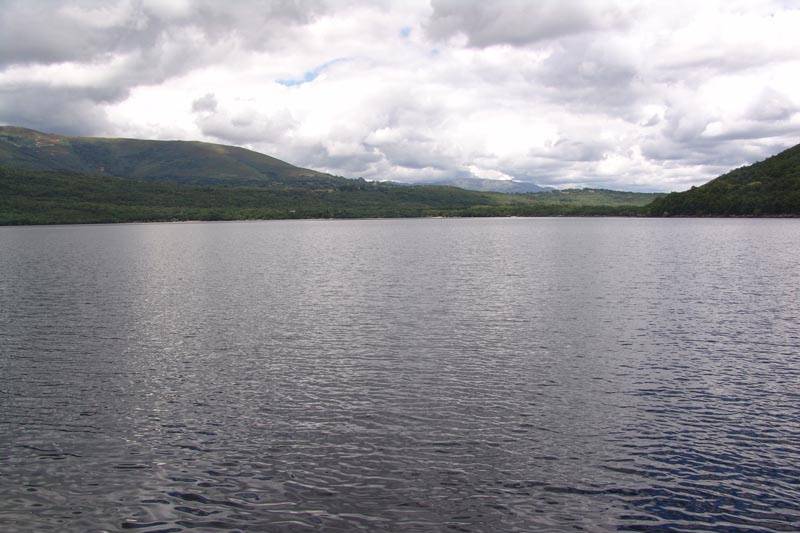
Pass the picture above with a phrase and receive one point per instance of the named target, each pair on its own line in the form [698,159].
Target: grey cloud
[413,150]
[521,22]
[744,130]
[67,112]
[275,133]
[685,121]
[83,102]
[248,127]
[572,150]
[319,156]
[131,43]
[350,164]
[38,32]
[689,150]
[541,170]
[693,136]
[772,105]
[208,102]
[253,24]
[346,150]
[51,31]
[652,121]
[718,153]
[592,73]
[396,130]
[721,59]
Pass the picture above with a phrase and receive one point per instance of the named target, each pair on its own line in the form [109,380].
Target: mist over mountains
[489,185]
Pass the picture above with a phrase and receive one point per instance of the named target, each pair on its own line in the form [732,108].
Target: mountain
[186,162]
[486,185]
[767,188]
[55,197]
[53,179]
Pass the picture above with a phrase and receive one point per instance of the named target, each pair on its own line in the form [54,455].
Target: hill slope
[48,197]
[595,197]
[187,162]
[768,188]
[46,179]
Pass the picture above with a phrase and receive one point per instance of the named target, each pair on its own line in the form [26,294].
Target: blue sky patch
[310,75]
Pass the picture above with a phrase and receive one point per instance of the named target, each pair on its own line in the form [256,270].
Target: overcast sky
[650,95]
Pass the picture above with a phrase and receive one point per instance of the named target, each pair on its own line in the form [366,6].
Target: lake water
[401,375]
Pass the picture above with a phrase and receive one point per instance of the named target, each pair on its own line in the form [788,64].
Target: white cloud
[519,22]
[625,94]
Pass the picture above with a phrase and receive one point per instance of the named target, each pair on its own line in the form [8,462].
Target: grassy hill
[49,197]
[46,179]
[768,188]
[187,162]
[596,197]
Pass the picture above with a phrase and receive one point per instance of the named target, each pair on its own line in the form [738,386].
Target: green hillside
[768,188]
[596,197]
[48,197]
[188,162]
[47,179]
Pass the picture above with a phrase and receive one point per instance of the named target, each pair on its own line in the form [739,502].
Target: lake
[401,375]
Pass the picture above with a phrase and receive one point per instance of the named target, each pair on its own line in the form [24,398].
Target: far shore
[321,219]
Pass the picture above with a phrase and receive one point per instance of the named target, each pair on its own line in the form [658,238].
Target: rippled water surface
[401,375]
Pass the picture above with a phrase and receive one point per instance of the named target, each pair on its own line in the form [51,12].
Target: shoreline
[322,219]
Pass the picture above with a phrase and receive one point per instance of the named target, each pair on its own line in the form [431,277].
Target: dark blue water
[403,375]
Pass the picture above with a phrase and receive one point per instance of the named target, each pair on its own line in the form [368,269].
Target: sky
[634,95]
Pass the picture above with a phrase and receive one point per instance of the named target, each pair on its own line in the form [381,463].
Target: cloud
[50,110]
[772,105]
[91,29]
[244,124]
[629,94]
[520,22]
[207,102]
[98,52]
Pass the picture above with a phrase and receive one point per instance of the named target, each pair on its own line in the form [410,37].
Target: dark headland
[55,179]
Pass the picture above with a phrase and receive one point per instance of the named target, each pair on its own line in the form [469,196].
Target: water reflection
[477,375]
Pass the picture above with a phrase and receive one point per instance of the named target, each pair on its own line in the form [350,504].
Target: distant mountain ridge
[47,178]
[767,188]
[186,162]
[59,197]
[488,185]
